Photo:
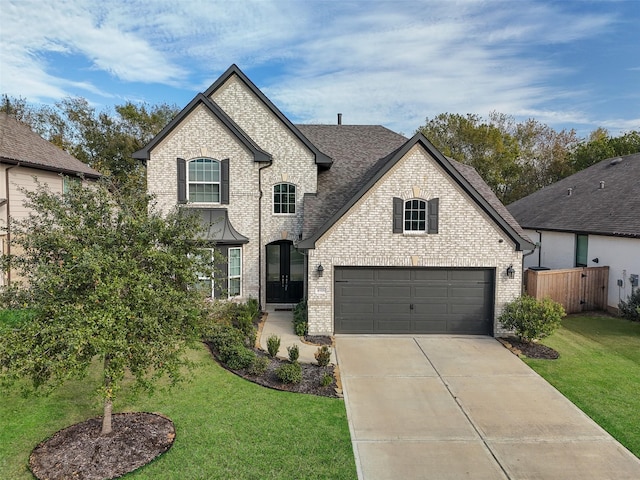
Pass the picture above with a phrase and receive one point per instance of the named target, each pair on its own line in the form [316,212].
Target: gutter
[6,178]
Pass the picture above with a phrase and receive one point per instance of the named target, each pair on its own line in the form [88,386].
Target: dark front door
[285,273]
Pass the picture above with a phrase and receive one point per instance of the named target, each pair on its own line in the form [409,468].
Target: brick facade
[363,237]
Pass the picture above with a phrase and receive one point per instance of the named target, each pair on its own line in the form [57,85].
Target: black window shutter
[433,207]
[224,181]
[182,180]
[398,214]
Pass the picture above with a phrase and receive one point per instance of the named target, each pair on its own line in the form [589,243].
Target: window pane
[284,198]
[415,215]
[581,250]
[203,192]
[234,287]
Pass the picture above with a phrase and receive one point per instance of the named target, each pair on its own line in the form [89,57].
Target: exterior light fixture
[510,271]
[320,270]
[596,260]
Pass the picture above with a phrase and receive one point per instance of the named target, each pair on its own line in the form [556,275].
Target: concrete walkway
[280,323]
[438,407]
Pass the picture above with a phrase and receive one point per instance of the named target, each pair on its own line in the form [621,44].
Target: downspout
[6,178]
[540,247]
[537,245]
[260,235]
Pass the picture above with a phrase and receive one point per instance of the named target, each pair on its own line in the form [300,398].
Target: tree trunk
[108,404]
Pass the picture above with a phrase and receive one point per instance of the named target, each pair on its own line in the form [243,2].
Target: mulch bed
[529,349]
[312,375]
[80,452]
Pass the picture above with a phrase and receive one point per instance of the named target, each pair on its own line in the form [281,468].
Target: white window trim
[273,203]
[229,276]
[426,219]
[195,182]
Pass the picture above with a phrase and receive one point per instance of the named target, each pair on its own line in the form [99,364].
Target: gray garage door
[413,300]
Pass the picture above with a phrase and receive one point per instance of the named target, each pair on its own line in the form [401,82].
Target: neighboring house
[24,157]
[382,234]
[591,218]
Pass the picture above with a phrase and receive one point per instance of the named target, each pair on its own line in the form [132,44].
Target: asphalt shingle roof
[355,149]
[19,144]
[612,210]
[359,153]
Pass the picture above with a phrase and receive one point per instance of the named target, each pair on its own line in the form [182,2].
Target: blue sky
[570,64]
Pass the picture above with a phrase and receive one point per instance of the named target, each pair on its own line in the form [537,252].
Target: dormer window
[284,198]
[415,215]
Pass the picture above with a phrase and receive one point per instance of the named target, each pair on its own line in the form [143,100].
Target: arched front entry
[285,273]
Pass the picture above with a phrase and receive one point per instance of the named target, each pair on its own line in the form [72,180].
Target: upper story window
[284,198]
[203,180]
[415,215]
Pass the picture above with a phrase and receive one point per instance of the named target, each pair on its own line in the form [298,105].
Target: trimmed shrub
[273,345]
[289,373]
[294,353]
[323,355]
[259,366]
[326,380]
[300,322]
[631,308]
[222,336]
[532,319]
[239,357]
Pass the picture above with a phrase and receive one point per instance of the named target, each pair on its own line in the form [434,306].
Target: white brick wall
[364,237]
[201,134]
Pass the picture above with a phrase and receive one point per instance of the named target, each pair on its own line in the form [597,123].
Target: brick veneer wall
[363,237]
[201,134]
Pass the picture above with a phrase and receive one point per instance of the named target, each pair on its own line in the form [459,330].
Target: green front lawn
[226,427]
[599,371]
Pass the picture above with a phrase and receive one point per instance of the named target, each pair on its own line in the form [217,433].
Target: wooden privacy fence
[577,289]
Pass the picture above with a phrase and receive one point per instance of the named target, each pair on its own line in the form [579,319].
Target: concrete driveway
[440,407]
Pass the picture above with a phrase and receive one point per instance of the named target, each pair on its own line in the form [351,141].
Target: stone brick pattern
[201,134]
[364,237]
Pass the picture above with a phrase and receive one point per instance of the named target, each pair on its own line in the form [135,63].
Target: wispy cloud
[390,62]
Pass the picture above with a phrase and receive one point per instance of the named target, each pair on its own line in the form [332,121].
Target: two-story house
[382,234]
[27,158]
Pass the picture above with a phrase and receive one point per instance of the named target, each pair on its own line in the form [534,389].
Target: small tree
[102,279]
[532,319]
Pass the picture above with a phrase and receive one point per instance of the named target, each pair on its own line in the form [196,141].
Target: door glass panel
[296,268]
[273,263]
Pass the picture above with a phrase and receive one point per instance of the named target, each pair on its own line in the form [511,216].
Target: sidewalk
[280,323]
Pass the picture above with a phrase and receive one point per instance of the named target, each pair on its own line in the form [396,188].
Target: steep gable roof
[20,144]
[466,177]
[259,155]
[321,158]
[354,148]
[611,210]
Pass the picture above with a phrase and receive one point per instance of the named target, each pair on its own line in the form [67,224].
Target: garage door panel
[356,291]
[430,292]
[387,291]
[394,308]
[436,275]
[357,308]
[397,325]
[413,300]
[395,274]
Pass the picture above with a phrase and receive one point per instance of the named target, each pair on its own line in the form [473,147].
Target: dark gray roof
[355,149]
[218,228]
[19,144]
[612,210]
[362,155]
